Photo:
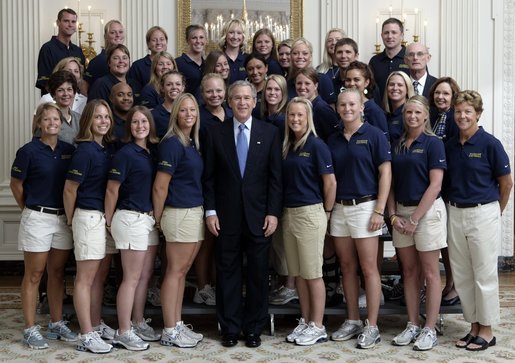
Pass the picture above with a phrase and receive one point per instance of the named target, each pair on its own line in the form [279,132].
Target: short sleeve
[79,165]
[120,165]
[21,164]
[169,155]
[436,154]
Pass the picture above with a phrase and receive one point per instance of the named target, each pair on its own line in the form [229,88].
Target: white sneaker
[206,295]
[297,331]
[369,338]
[426,340]
[348,330]
[130,341]
[92,342]
[104,331]
[154,296]
[362,301]
[145,331]
[187,329]
[408,335]
[173,336]
[283,296]
[312,335]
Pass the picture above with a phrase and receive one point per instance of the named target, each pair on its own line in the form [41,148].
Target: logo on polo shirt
[417,151]
[66,156]
[362,142]
[16,169]
[114,171]
[475,155]
[403,66]
[165,164]
[74,172]
[304,154]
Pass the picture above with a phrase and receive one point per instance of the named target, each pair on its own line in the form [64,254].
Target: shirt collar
[247,123]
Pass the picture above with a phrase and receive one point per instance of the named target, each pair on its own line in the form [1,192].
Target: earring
[365,91]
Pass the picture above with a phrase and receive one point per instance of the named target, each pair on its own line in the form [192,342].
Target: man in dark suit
[417,56]
[243,200]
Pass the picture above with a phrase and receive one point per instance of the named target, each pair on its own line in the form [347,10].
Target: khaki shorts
[89,234]
[277,253]
[183,224]
[39,232]
[133,230]
[431,232]
[303,232]
[353,220]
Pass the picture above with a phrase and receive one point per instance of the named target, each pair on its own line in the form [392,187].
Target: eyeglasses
[418,54]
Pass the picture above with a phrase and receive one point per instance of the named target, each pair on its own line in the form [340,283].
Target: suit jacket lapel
[255,146]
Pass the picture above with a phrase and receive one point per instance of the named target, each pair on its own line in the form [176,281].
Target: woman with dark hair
[419,219]
[157,41]
[477,190]
[257,68]
[232,43]
[216,62]
[128,207]
[263,43]
[177,198]
[162,62]
[37,180]
[190,63]
[172,86]
[284,56]
[324,117]
[84,193]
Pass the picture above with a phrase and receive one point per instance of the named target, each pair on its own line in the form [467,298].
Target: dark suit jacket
[258,193]
[430,80]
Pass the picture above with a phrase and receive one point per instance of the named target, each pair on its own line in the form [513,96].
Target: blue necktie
[242,148]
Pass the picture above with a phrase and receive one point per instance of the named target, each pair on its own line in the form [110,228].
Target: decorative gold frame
[184,19]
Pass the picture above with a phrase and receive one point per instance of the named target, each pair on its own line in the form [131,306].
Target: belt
[54,211]
[410,203]
[136,211]
[466,205]
[357,201]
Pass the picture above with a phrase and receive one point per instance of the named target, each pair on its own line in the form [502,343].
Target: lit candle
[402,6]
[55,27]
[89,17]
[404,17]
[390,9]
[416,21]
[377,30]
[425,32]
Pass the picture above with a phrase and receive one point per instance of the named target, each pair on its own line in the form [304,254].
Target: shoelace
[35,332]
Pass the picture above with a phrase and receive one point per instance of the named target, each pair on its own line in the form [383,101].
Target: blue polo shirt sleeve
[381,150]
[326,88]
[169,155]
[498,159]
[436,154]
[21,164]
[120,165]
[80,165]
[324,160]
[45,66]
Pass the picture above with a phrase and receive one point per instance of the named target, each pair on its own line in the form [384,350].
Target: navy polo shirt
[161,120]
[382,66]
[356,161]
[237,69]
[50,54]
[140,70]
[410,167]
[473,168]
[451,129]
[279,121]
[42,171]
[186,166]
[256,112]
[325,118]
[274,67]
[134,168]
[338,86]
[395,124]
[325,88]
[102,88]
[118,127]
[192,72]
[375,116]
[97,67]
[150,98]
[207,119]
[302,169]
[89,167]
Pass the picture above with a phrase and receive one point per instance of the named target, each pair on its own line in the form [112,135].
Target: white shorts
[353,220]
[89,234]
[431,232]
[183,224]
[132,230]
[39,232]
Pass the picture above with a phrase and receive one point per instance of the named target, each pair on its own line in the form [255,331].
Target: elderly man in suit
[416,57]
[243,200]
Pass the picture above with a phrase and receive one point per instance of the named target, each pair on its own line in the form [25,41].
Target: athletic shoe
[349,329]
[206,295]
[187,329]
[283,296]
[93,342]
[33,338]
[154,296]
[129,340]
[369,338]
[397,292]
[426,339]
[60,330]
[104,331]
[408,335]
[145,331]
[297,331]
[173,336]
[362,301]
[312,335]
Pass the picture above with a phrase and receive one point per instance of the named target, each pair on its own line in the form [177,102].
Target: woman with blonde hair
[328,65]
[232,42]
[309,188]
[157,41]
[177,199]
[399,89]
[284,56]
[162,62]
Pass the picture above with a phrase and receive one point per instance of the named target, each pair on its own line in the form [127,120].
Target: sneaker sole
[202,301]
[80,348]
[149,339]
[35,346]
[423,350]
[169,344]
[121,344]
[349,337]
[378,340]
[283,302]
[57,336]
[319,340]
[401,344]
